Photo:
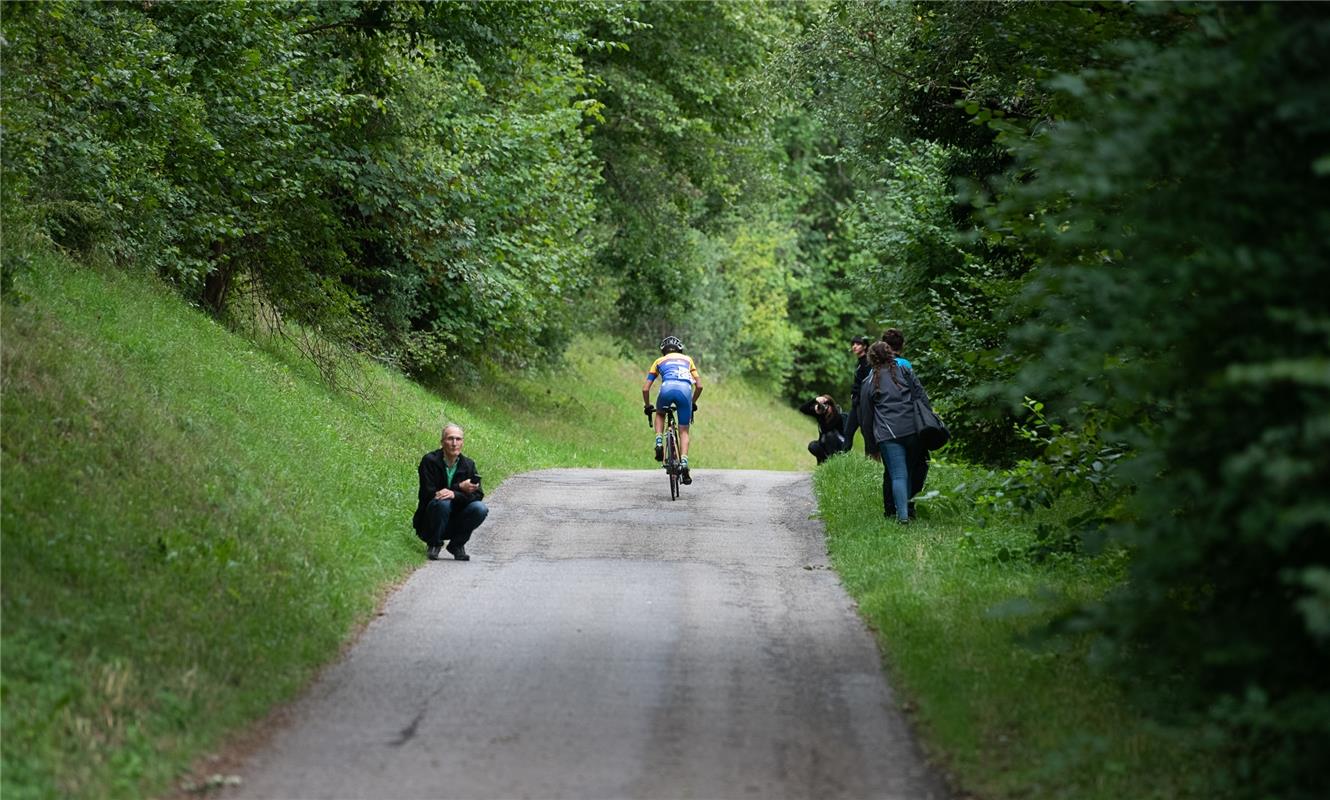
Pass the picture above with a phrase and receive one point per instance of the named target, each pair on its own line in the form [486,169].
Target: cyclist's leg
[658,426]
[685,417]
[681,395]
[687,476]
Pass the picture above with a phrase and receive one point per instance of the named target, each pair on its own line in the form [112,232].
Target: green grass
[192,522]
[591,403]
[1007,718]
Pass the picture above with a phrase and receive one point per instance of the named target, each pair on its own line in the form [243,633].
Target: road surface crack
[409,732]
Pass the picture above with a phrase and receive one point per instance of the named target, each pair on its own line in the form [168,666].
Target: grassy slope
[592,406]
[192,522]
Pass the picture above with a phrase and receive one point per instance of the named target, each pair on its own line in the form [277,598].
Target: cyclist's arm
[646,389]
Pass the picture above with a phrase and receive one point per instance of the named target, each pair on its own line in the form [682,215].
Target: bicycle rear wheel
[672,462]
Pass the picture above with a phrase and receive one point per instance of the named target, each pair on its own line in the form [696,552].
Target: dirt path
[605,642]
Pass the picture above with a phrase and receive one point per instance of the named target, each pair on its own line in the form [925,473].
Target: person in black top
[830,427]
[449,506]
[859,346]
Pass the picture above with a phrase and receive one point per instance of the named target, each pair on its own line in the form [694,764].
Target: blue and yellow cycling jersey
[674,367]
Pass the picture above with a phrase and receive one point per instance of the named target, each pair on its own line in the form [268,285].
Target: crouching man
[450,506]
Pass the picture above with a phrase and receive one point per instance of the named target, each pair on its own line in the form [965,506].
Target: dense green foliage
[692,186]
[413,179]
[920,97]
[1120,211]
[1185,221]
[1100,226]
[432,183]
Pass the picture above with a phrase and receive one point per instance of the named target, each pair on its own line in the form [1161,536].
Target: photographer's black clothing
[831,432]
[860,372]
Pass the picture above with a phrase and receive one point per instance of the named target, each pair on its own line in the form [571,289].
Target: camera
[476,480]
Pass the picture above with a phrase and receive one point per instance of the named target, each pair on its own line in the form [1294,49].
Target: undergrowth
[961,599]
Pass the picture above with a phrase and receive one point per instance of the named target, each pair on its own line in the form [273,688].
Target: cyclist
[680,384]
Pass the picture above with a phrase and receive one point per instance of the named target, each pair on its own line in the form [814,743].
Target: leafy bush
[928,99]
[1138,197]
[411,179]
[1185,218]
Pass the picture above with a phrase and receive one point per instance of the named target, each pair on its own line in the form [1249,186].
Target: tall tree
[926,102]
[1183,217]
[690,165]
[413,179]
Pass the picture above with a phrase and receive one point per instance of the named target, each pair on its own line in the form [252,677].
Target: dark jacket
[852,419]
[886,408]
[434,474]
[860,372]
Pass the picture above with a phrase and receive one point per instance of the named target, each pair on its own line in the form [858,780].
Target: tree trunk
[217,282]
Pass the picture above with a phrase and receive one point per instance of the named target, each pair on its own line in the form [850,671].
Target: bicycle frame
[673,464]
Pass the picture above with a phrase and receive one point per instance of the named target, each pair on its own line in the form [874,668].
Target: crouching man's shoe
[459,552]
[432,552]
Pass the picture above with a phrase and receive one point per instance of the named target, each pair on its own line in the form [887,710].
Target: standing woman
[830,427]
[886,407]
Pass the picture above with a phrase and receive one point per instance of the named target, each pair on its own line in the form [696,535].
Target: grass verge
[955,605]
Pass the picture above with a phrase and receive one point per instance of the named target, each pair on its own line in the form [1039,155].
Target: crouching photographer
[830,427]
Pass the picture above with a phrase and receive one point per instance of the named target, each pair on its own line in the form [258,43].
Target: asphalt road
[605,642]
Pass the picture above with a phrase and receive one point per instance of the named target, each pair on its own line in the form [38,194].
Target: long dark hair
[881,355]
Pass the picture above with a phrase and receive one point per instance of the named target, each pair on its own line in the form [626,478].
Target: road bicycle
[673,463]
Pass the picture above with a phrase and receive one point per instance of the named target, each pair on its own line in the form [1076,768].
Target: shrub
[1185,219]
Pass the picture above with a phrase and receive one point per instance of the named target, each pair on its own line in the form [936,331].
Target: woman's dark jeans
[902,474]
